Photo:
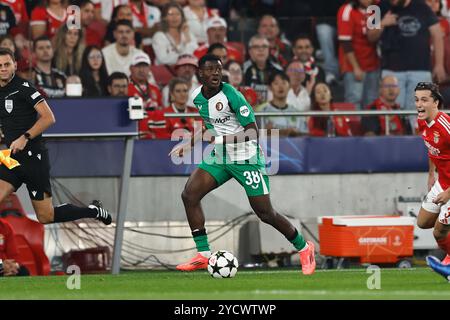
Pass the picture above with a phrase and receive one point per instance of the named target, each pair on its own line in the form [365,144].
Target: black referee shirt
[17,113]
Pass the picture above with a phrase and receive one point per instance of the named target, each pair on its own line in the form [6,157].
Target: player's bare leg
[262,206]
[5,190]
[426,219]
[46,213]
[199,184]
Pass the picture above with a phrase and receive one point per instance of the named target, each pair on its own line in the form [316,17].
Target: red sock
[444,244]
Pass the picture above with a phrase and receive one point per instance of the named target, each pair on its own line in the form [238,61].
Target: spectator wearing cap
[259,67]
[217,33]
[197,15]
[141,86]
[185,68]
[118,55]
[280,47]
[174,39]
[117,84]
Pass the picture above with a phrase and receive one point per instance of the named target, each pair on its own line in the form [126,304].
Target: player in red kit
[434,127]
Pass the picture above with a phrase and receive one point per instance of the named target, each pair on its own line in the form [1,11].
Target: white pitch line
[380,292]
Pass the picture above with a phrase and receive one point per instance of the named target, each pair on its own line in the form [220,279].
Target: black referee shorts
[34,171]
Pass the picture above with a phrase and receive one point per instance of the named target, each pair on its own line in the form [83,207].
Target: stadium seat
[29,236]
[162,74]
[353,121]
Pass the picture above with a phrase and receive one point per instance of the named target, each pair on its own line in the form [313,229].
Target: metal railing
[363,113]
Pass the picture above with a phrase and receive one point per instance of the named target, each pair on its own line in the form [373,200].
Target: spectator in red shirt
[389,91]
[179,93]
[217,33]
[321,100]
[9,253]
[280,47]
[357,56]
[46,19]
[93,32]
[150,94]
[185,68]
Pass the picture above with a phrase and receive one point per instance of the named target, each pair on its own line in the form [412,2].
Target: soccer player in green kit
[237,155]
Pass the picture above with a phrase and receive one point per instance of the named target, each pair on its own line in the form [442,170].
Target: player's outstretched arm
[45,120]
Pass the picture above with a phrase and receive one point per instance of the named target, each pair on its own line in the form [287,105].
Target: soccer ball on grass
[222,264]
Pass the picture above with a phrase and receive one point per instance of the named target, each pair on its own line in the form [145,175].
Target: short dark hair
[7,52]
[434,89]
[303,37]
[215,46]
[276,74]
[41,38]
[123,22]
[115,76]
[206,58]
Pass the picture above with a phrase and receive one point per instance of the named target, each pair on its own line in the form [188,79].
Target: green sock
[298,241]
[201,240]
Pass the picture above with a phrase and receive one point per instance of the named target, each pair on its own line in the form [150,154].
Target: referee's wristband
[218,140]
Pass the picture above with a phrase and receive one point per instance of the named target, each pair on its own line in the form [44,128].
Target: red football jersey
[180,123]
[43,16]
[19,8]
[436,136]
[352,26]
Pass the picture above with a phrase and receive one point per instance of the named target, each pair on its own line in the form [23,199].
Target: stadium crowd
[281,55]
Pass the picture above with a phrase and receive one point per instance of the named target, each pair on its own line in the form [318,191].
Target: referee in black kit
[24,115]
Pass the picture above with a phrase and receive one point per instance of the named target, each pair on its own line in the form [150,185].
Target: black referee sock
[69,212]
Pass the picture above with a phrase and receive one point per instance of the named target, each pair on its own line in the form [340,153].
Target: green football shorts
[251,174]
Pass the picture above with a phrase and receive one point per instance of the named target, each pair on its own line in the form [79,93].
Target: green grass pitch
[416,283]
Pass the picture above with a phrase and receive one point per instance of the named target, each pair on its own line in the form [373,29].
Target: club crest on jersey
[9,106]
[244,111]
[436,137]
[219,106]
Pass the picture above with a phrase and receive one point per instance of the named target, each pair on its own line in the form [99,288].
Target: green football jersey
[227,113]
